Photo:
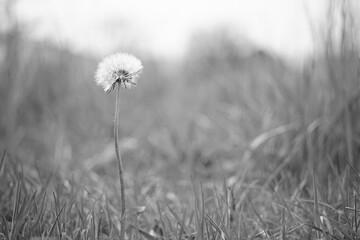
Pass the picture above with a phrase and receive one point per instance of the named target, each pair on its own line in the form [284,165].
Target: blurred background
[227,85]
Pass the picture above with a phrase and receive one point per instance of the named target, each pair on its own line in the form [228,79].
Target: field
[231,142]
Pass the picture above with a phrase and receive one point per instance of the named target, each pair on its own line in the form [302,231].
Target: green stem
[119,163]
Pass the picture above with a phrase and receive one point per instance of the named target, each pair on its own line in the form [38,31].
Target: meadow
[231,142]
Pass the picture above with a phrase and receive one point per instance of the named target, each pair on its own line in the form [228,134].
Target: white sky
[164,27]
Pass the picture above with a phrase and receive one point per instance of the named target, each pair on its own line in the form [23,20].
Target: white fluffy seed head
[119,68]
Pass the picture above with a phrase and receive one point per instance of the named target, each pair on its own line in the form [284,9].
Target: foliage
[230,143]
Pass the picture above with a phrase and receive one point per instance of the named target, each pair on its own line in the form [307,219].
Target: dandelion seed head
[119,68]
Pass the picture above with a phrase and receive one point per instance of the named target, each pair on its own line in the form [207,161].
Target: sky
[164,27]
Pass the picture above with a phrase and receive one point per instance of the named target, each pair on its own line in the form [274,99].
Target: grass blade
[56,220]
[2,159]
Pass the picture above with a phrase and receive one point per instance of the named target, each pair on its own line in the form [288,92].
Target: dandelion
[119,68]
[116,71]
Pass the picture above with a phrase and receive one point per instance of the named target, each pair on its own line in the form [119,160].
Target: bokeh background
[227,86]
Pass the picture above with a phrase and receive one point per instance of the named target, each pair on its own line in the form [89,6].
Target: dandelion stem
[119,163]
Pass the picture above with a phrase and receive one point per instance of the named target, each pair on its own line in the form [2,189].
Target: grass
[255,165]
[219,146]
[35,207]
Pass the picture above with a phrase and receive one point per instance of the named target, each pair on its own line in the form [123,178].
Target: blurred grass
[220,104]
[230,143]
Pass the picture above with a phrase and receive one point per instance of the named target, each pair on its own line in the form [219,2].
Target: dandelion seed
[119,68]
